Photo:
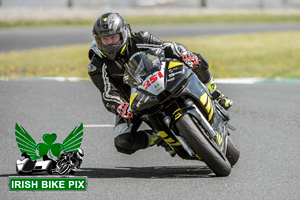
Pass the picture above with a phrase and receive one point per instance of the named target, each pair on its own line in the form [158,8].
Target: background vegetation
[268,55]
[163,19]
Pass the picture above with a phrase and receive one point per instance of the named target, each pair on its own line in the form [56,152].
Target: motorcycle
[68,162]
[167,95]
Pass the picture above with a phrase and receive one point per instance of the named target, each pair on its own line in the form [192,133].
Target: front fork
[200,117]
[167,122]
[192,110]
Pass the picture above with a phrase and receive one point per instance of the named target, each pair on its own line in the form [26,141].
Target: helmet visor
[109,43]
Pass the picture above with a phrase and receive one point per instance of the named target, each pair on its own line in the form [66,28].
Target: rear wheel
[201,145]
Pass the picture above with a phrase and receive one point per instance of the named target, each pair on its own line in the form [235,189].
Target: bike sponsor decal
[152,79]
[171,79]
[175,69]
[174,73]
[153,83]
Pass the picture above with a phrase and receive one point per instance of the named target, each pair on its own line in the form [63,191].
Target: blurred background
[238,37]
[261,4]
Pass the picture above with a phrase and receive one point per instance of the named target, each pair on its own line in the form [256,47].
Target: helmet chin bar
[112,54]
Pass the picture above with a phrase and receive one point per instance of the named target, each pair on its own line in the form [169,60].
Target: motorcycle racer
[113,45]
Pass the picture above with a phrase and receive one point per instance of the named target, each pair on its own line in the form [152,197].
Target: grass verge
[267,55]
[162,19]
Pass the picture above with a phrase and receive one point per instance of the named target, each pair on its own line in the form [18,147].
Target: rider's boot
[224,101]
[168,149]
[160,142]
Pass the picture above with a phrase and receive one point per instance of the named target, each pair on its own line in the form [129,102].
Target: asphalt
[266,117]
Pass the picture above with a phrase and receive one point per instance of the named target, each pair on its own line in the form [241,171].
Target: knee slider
[124,144]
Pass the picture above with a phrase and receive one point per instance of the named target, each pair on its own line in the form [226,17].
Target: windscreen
[141,65]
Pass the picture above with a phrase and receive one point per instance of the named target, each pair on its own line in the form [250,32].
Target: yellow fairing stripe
[220,141]
[211,110]
[204,99]
[207,104]
[174,64]
[132,97]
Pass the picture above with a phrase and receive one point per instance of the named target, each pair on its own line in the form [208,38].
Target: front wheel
[64,168]
[200,145]
[232,152]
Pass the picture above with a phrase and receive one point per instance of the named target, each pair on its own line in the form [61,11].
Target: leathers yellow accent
[169,140]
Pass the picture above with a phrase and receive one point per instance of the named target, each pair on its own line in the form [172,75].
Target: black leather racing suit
[107,76]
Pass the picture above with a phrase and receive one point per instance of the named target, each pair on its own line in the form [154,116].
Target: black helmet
[111,24]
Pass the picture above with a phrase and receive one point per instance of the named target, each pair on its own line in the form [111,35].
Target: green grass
[162,19]
[266,55]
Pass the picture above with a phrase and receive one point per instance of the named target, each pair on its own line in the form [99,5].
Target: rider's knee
[124,144]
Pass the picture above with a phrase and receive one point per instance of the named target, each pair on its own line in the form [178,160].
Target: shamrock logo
[44,148]
[28,145]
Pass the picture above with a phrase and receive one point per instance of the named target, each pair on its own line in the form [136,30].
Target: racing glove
[124,110]
[190,59]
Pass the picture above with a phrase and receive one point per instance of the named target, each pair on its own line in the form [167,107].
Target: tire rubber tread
[232,152]
[200,145]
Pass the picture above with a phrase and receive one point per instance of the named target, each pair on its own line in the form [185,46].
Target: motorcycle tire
[64,168]
[232,153]
[200,145]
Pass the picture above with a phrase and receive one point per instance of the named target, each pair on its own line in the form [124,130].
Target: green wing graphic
[74,139]
[25,142]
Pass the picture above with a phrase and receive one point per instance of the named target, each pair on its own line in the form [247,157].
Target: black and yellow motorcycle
[168,96]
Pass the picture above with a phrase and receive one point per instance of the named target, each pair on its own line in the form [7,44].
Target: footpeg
[231,127]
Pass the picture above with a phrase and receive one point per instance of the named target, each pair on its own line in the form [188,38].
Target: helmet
[80,152]
[111,24]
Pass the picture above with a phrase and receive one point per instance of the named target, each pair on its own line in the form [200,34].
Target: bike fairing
[186,96]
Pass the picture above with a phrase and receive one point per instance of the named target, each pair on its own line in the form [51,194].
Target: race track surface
[266,117]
